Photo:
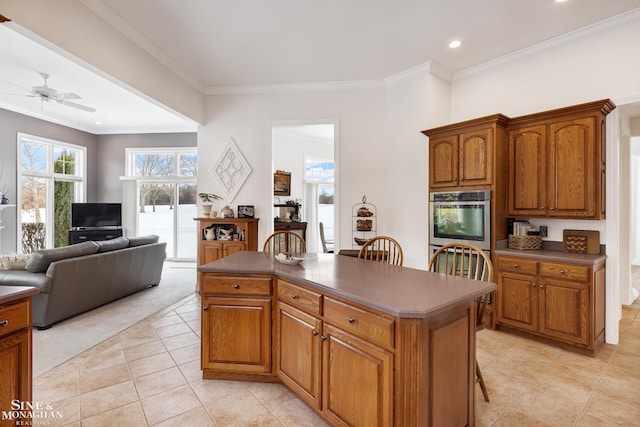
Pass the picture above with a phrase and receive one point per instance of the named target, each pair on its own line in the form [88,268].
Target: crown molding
[617,21]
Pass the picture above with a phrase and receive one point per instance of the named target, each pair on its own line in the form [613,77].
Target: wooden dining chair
[383,249]
[286,242]
[466,260]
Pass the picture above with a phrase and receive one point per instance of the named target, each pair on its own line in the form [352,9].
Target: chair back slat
[382,249]
[286,242]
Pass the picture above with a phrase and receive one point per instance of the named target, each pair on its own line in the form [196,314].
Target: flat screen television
[84,215]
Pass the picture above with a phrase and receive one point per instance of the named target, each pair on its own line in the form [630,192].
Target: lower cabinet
[15,357]
[213,250]
[354,366]
[236,326]
[559,301]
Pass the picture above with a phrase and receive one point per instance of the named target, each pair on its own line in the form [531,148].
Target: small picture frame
[245,211]
[282,183]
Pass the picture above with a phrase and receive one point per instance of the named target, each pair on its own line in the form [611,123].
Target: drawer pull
[541,208]
[541,286]
[533,284]
[562,272]
[4,322]
[294,296]
[236,286]
[516,265]
[315,333]
[351,319]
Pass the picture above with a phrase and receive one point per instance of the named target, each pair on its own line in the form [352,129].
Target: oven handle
[460,203]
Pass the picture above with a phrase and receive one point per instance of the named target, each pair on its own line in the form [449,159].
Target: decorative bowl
[288,259]
[359,241]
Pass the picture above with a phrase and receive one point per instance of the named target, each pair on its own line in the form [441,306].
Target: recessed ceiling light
[454,44]
[98,123]
[560,1]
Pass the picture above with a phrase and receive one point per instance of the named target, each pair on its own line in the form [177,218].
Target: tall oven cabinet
[472,155]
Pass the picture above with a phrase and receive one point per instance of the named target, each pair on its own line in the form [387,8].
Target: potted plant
[207,203]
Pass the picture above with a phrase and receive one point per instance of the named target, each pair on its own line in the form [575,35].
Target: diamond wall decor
[230,170]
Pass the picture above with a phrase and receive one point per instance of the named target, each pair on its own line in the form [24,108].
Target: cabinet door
[475,164]
[518,301]
[299,358]
[15,371]
[443,161]
[572,168]
[244,326]
[211,251]
[232,247]
[352,370]
[527,171]
[563,310]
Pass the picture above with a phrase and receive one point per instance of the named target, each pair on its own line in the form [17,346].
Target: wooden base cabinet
[352,365]
[236,327]
[559,301]
[15,349]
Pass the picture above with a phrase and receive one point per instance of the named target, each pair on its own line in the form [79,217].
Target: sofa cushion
[143,240]
[112,244]
[24,278]
[14,261]
[41,259]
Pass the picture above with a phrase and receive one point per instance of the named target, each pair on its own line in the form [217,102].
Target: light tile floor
[149,375]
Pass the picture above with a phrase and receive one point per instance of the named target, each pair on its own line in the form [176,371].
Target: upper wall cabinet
[465,154]
[557,163]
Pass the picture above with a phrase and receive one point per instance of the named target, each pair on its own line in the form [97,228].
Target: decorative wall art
[281,183]
[230,170]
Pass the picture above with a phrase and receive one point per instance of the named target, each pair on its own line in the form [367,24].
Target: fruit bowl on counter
[288,259]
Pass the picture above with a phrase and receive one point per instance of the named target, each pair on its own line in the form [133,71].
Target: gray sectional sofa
[77,278]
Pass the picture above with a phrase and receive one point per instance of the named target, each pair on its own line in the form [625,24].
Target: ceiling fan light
[455,44]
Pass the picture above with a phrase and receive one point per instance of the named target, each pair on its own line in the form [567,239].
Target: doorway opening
[306,153]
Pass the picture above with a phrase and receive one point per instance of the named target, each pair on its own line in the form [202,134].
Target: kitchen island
[360,342]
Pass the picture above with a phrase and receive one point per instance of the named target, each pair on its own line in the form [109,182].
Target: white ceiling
[217,45]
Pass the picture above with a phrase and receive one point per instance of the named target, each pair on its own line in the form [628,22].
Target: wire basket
[524,243]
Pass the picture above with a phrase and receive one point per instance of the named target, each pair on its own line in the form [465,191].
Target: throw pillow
[41,259]
[112,244]
[143,240]
[14,261]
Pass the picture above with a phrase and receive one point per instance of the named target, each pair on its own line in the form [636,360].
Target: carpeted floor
[64,340]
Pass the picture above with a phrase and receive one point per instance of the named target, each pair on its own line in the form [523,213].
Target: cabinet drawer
[302,298]
[565,271]
[369,326]
[14,317]
[236,285]
[518,265]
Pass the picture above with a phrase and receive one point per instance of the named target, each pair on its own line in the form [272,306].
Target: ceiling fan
[47,93]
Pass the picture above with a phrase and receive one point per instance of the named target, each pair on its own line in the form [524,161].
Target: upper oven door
[461,221]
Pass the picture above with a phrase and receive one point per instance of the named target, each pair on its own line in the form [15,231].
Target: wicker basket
[525,242]
[364,225]
[577,244]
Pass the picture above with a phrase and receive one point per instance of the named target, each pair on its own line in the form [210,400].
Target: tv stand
[84,234]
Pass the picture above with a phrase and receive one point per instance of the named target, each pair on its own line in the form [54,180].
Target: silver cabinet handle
[516,265]
[562,272]
[205,308]
[294,296]
[315,333]
[533,284]
[323,338]
[351,319]
[541,208]
[541,286]
[4,322]
[236,286]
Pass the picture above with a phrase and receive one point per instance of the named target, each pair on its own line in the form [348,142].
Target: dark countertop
[12,293]
[398,291]
[551,255]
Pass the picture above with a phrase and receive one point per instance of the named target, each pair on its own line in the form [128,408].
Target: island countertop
[12,293]
[399,291]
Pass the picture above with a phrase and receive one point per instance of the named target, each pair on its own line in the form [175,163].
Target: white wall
[580,69]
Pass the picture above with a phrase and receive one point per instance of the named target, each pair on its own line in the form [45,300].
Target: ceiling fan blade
[68,95]
[17,94]
[74,105]
[18,86]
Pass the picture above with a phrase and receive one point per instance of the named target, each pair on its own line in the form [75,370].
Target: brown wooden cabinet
[330,354]
[559,301]
[236,312]
[15,348]
[466,154]
[557,162]
[245,230]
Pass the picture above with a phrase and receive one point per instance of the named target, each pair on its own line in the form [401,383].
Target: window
[319,177]
[166,196]
[51,177]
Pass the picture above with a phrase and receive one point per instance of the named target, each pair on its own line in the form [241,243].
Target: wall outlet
[544,232]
